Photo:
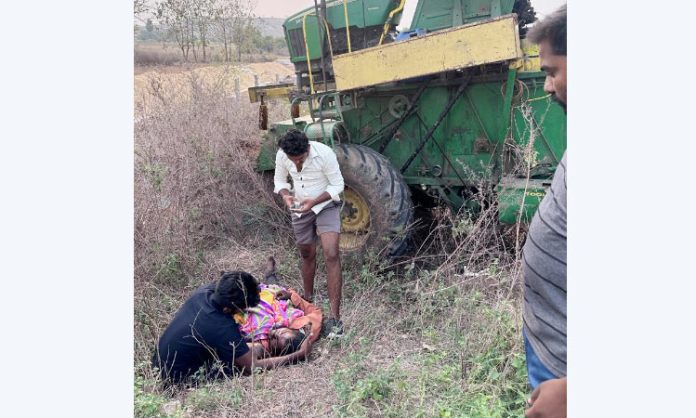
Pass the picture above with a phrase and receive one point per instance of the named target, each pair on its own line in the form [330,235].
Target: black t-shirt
[199,334]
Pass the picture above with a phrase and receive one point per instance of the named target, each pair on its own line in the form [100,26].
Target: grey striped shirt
[544,268]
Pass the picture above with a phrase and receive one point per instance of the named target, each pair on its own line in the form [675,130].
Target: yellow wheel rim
[355,220]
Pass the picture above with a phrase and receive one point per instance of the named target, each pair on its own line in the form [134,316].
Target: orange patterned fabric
[311,314]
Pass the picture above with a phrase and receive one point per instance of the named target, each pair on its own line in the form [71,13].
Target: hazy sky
[284,8]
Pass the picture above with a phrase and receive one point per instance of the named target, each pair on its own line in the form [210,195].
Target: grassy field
[434,335]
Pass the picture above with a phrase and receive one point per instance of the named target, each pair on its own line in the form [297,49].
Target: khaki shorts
[308,227]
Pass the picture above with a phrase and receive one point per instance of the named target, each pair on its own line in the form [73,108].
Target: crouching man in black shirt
[204,335]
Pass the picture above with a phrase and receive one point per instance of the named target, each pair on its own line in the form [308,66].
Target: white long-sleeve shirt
[320,173]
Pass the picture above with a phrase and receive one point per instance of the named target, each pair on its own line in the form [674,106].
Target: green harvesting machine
[445,111]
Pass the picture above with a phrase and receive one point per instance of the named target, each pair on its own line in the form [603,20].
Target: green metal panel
[440,14]
[335,14]
[376,11]
[429,14]
[313,31]
[518,199]
[361,14]
[468,145]
[473,134]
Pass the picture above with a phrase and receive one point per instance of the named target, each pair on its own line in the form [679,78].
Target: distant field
[168,53]
[178,79]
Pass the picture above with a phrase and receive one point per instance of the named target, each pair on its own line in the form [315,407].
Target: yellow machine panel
[465,46]
[270,92]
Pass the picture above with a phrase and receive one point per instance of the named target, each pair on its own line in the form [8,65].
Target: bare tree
[195,23]
[177,16]
[247,35]
[204,12]
[243,27]
[139,8]
[189,23]
[232,18]
[191,30]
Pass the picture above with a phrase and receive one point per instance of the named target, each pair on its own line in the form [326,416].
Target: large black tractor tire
[372,183]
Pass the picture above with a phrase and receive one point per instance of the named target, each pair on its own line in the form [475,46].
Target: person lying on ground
[281,321]
[203,336]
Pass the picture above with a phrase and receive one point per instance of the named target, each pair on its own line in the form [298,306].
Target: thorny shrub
[195,189]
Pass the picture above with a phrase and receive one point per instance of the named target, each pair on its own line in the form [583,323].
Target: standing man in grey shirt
[316,212]
[544,252]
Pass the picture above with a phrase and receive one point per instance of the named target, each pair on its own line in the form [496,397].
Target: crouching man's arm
[249,362]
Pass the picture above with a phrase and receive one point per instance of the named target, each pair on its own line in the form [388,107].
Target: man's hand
[548,400]
[305,205]
[288,199]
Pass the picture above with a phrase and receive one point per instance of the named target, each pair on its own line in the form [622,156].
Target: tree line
[194,24]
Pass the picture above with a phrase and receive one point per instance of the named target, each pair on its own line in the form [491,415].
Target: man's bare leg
[334,279]
[308,255]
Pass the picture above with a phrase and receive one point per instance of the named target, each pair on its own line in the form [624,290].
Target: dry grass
[179,82]
[168,53]
[149,54]
[195,190]
[436,335]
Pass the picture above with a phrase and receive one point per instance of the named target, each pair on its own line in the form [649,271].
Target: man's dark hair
[294,143]
[553,29]
[236,290]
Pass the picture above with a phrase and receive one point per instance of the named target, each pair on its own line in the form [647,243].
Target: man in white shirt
[316,212]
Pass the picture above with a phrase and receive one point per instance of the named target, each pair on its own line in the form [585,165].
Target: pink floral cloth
[257,322]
